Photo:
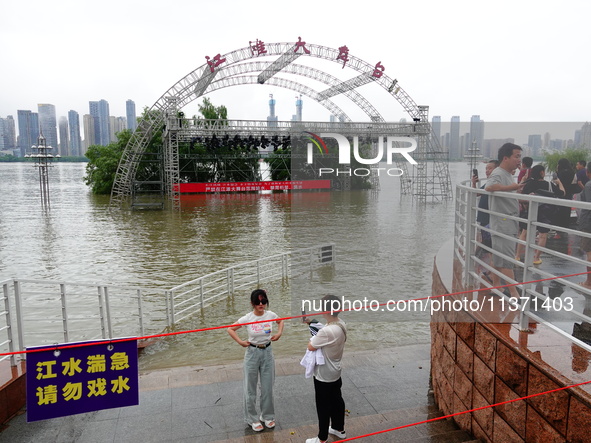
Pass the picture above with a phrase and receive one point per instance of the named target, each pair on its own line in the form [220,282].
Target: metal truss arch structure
[315,74]
[226,70]
[332,107]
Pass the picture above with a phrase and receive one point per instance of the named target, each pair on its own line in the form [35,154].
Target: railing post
[8,324]
[172,309]
[258,273]
[232,281]
[108,310]
[201,292]
[167,304]
[140,311]
[64,313]
[470,238]
[102,311]
[19,315]
[528,260]
[333,253]
[284,266]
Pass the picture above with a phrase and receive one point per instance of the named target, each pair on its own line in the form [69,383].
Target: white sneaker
[314,440]
[337,433]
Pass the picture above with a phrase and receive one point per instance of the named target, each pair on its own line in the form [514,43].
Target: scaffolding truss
[428,180]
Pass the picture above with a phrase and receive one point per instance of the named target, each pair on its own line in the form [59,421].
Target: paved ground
[204,404]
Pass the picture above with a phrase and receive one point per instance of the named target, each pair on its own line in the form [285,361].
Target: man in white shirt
[501,180]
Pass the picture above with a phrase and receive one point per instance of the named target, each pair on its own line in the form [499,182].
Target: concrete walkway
[204,404]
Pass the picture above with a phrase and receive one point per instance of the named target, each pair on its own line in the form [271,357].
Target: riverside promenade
[382,390]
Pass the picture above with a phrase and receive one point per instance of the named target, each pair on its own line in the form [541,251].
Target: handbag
[546,211]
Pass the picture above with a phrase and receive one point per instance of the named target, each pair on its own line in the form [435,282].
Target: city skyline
[99,128]
[458,64]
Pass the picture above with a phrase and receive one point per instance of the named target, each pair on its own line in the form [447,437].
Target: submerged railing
[189,298]
[6,340]
[569,301]
[41,312]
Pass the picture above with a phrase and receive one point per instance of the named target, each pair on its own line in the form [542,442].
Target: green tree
[103,162]
[211,112]
[572,154]
[11,158]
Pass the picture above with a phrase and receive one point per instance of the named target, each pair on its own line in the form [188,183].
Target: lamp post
[43,158]
[473,156]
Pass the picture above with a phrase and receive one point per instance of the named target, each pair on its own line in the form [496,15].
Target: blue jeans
[259,362]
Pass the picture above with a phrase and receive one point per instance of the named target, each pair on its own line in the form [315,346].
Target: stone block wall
[477,364]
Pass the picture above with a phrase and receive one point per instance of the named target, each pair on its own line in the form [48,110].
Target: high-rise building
[586,136]
[272,118]
[75,142]
[7,133]
[297,117]
[546,140]
[48,124]
[100,112]
[89,132]
[10,132]
[436,127]
[2,139]
[64,147]
[492,145]
[28,130]
[117,124]
[131,116]
[476,131]
[454,138]
[534,141]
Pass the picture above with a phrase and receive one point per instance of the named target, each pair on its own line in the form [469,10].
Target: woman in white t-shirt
[258,359]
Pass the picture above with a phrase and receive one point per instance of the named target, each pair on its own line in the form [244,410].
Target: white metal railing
[41,312]
[533,303]
[6,340]
[189,298]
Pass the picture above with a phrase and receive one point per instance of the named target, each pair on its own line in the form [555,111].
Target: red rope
[213,328]
[463,412]
[321,313]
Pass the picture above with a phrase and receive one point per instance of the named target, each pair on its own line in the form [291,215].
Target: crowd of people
[567,182]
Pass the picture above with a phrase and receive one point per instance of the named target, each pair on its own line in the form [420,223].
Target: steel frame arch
[314,74]
[195,84]
[237,80]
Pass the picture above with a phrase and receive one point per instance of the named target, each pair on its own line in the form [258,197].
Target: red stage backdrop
[190,188]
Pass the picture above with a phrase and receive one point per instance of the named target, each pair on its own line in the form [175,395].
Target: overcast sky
[516,60]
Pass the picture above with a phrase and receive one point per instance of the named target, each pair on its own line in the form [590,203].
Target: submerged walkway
[382,389]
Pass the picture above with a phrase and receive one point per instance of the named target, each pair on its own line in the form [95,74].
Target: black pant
[330,407]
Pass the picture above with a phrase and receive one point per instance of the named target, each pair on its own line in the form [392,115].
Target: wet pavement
[382,390]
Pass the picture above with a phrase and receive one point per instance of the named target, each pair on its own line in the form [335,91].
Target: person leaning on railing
[537,185]
[585,226]
[566,174]
[483,218]
[501,180]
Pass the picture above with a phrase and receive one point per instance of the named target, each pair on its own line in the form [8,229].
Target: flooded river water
[385,246]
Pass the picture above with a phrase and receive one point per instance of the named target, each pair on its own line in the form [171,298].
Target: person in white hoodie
[330,406]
